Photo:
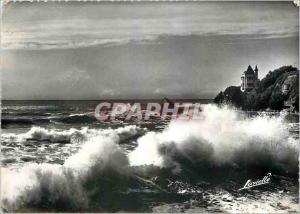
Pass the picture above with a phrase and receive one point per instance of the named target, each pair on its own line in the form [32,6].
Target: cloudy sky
[141,50]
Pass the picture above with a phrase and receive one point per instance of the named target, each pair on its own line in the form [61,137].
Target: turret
[256,72]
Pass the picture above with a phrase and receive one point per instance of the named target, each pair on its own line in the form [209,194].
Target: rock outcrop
[278,90]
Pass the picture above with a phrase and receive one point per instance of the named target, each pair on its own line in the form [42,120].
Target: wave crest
[222,138]
[101,169]
[67,187]
[68,136]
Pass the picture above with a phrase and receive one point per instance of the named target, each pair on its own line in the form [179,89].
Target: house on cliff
[249,79]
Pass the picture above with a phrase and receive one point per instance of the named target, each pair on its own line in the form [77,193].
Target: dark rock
[278,90]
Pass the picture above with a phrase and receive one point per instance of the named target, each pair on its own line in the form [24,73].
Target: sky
[101,50]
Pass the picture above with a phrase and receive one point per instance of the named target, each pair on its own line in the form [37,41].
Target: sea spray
[101,170]
[42,187]
[69,187]
[223,138]
[66,187]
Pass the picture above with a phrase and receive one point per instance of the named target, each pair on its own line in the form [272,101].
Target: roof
[249,71]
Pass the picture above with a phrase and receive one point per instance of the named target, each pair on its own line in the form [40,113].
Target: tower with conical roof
[249,79]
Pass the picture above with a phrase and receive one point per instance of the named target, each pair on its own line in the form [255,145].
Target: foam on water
[224,202]
[221,138]
[42,134]
[53,186]
[101,167]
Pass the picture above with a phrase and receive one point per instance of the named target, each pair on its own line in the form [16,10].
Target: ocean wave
[69,187]
[25,113]
[24,121]
[7,108]
[38,134]
[40,118]
[18,121]
[77,118]
[101,172]
[220,140]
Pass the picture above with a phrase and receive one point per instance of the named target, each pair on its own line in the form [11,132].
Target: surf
[183,158]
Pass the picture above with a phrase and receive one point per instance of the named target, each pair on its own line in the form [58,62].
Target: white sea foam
[221,138]
[53,135]
[225,202]
[52,186]
[61,186]
[34,183]
[43,134]
[274,202]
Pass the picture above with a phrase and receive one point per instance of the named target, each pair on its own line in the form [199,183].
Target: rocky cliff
[279,89]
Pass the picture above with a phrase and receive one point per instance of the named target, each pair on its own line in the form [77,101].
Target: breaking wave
[37,133]
[68,187]
[77,118]
[221,139]
[102,172]
[64,188]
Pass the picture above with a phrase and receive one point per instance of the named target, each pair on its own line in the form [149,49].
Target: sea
[57,157]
